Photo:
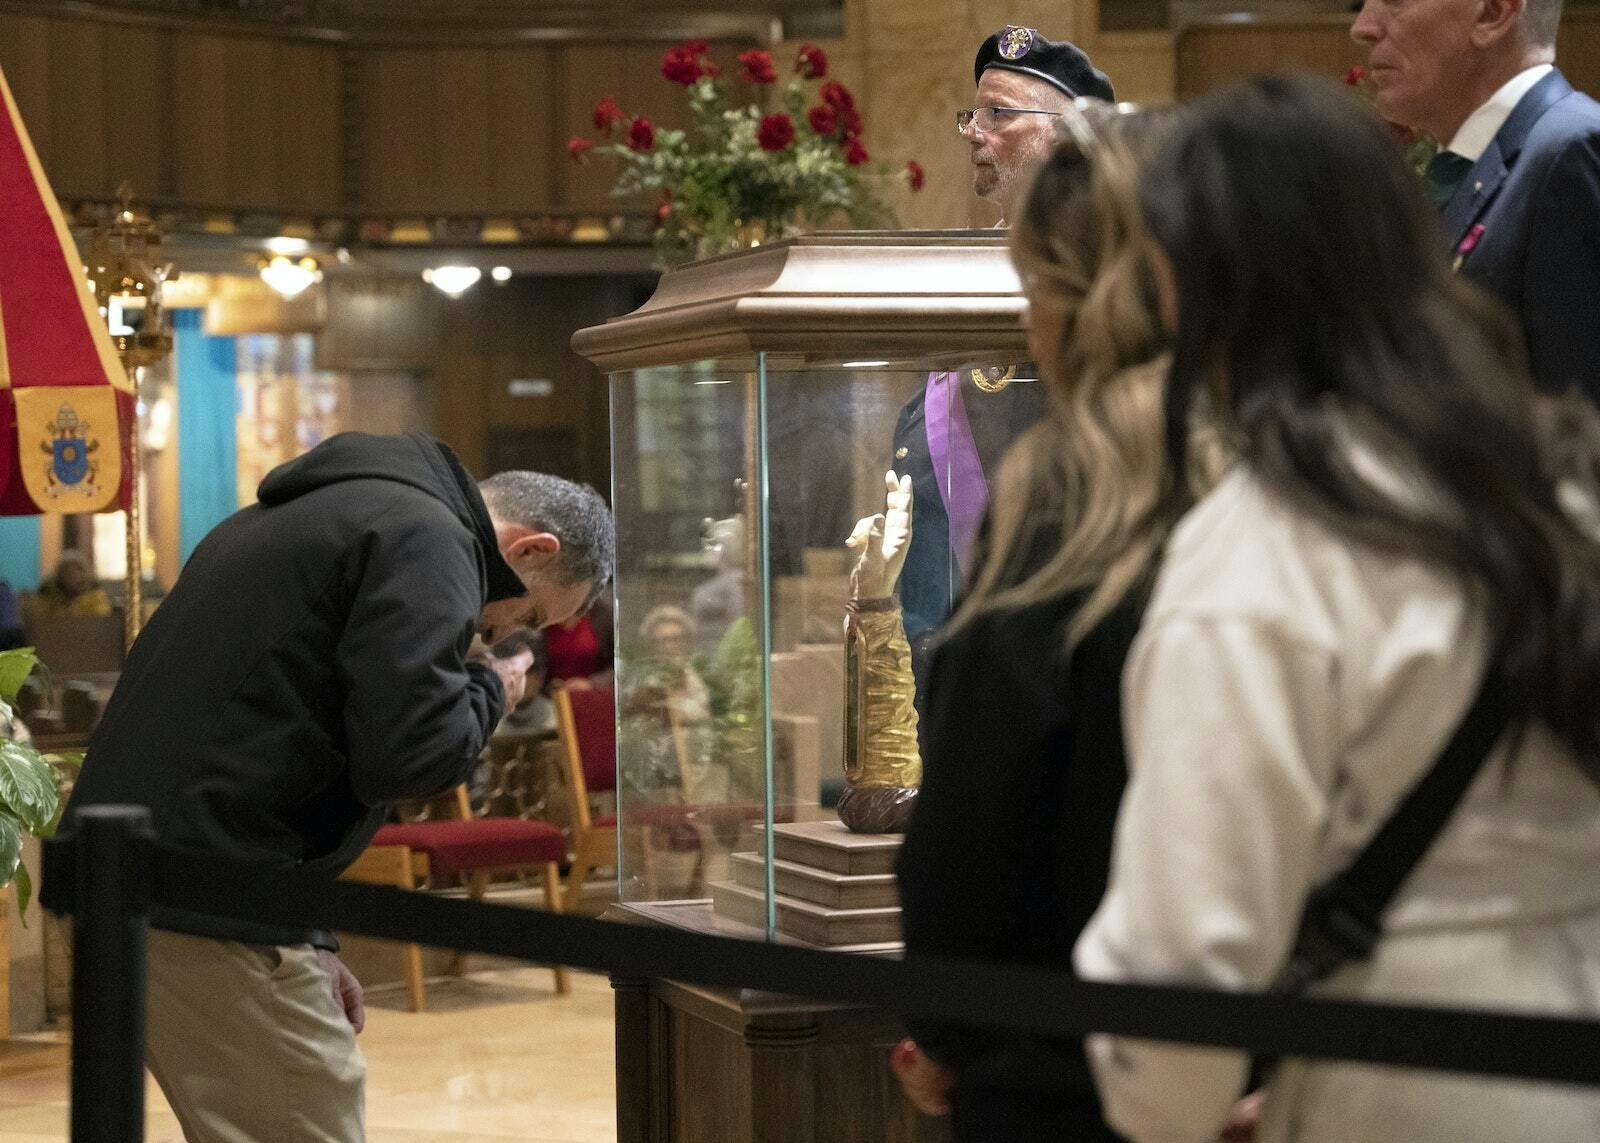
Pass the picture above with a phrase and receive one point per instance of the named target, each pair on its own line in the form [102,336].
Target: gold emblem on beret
[993,378]
[1016,42]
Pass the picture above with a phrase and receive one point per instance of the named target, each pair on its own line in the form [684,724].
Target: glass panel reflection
[693,786]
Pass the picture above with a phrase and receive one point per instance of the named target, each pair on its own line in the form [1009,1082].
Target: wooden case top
[914,297]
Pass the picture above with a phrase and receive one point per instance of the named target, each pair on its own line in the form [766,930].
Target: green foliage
[30,798]
[15,667]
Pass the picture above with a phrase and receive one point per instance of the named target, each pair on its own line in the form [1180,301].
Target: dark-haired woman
[1009,847]
[1321,623]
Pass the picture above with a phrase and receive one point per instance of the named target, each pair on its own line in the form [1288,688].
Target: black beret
[1058,63]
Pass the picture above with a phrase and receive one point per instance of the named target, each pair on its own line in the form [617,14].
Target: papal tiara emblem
[1015,42]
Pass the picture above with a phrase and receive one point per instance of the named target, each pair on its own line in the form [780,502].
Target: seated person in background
[71,590]
[579,652]
[11,635]
[668,705]
[1391,541]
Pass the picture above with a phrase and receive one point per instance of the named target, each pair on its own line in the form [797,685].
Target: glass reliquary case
[767,666]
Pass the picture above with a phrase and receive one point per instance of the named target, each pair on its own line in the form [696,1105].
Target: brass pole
[133,596]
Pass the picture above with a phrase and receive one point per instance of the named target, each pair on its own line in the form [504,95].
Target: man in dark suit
[950,437]
[1518,179]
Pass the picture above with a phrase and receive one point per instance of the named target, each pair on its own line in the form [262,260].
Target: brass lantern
[126,274]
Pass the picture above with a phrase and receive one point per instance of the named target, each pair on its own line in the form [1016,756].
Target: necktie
[1445,172]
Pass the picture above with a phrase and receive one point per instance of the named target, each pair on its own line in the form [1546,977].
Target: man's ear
[1495,20]
[529,551]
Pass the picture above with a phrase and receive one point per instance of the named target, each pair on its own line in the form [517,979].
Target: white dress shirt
[1286,690]
[1475,135]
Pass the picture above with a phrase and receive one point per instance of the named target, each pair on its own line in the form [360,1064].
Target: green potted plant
[30,780]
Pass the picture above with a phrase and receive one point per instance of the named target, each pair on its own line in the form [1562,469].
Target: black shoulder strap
[1343,918]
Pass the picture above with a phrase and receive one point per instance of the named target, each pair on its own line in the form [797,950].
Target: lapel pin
[900,453]
[1468,243]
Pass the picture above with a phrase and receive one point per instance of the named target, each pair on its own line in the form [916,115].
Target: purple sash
[956,467]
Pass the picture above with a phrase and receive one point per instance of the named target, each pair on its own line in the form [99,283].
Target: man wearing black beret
[950,437]
[1024,83]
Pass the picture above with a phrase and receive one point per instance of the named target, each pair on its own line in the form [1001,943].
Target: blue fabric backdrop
[19,551]
[208,484]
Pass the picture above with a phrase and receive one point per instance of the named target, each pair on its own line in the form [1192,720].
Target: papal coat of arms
[72,467]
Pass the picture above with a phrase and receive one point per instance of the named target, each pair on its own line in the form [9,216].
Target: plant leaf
[24,893]
[15,666]
[27,786]
[10,848]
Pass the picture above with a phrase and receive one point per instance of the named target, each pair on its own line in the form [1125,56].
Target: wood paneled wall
[492,336]
[470,348]
[472,130]
[206,119]
[1211,55]
[252,121]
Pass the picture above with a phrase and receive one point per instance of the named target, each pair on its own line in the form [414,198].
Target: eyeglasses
[1080,124]
[987,118]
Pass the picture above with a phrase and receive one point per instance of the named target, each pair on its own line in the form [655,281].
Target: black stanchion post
[112,860]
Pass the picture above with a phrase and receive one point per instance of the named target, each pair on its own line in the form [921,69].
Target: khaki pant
[250,1045]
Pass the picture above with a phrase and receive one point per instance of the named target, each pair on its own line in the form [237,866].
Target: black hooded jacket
[309,667]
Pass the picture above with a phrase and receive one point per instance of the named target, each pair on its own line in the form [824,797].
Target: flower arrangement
[745,174]
[1418,148]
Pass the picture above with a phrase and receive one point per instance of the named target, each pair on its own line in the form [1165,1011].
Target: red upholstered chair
[586,726]
[471,847]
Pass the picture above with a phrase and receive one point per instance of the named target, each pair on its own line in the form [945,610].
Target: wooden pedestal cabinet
[698,1065]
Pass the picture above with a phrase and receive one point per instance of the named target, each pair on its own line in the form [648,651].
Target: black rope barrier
[1006,997]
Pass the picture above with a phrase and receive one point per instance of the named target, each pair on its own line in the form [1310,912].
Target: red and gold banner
[66,404]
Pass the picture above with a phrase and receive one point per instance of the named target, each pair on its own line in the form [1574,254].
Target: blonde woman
[1007,852]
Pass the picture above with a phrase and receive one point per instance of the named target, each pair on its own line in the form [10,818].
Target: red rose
[607,115]
[812,64]
[854,153]
[697,47]
[577,148]
[824,120]
[680,66]
[1355,75]
[775,133]
[662,212]
[642,134]
[836,96]
[916,175]
[755,66]
[851,118]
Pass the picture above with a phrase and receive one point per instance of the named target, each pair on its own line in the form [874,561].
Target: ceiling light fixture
[453,280]
[290,277]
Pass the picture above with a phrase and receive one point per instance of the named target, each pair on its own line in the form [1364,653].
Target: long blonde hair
[1087,479]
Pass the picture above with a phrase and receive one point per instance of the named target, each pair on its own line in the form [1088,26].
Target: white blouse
[1287,688]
